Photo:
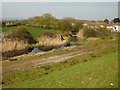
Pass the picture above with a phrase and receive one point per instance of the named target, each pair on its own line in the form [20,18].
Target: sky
[78,10]
[60,0]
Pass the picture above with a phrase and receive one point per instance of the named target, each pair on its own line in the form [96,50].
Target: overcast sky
[60,0]
[79,10]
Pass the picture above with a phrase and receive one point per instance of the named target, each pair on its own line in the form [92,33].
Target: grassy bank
[96,70]
[93,45]
[97,73]
[35,32]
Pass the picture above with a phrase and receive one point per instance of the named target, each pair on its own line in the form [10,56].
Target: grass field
[98,73]
[33,30]
[96,70]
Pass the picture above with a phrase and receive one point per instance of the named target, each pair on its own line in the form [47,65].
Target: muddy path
[41,62]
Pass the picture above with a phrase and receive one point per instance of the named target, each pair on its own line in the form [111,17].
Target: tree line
[50,22]
[115,20]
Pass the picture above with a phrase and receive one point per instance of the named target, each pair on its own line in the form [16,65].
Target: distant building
[94,24]
[114,27]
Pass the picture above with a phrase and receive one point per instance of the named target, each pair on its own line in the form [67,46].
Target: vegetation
[96,32]
[116,20]
[66,24]
[78,75]
[47,21]
[34,31]
[90,32]
[49,34]
[95,70]
[106,21]
[6,29]
[103,32]
[77,25]
[20,33]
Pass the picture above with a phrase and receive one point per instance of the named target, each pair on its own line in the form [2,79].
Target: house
[114,27]
[94,24]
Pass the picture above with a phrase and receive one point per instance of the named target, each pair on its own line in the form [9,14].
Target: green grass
[35,32]
[5,29]
[98,73]
[96,70]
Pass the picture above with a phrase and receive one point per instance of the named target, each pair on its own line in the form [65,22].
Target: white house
[114,27]
[110,27]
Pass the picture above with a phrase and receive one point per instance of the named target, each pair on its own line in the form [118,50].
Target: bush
[89,32]
[67,33]
[103,32]
[96,32]
[49,34]
[13,59]
[20,33]
[48,67]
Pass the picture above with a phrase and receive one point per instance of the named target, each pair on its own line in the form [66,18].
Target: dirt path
[41,62]
[21,65]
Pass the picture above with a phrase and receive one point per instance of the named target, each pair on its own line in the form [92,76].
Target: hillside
[96,68]
[34,31]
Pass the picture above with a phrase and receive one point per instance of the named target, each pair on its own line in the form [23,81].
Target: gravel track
[41,62]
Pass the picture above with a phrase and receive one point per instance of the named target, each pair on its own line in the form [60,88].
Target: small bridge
[74,35]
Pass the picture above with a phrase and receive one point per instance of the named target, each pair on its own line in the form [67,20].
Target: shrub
[74,62]
[64,62]
[20,33]
[13,59]
[48,67]
[96,32]
[103,32]
[49,34]
[67,33]
[89,32]
[84,60]
[39,45]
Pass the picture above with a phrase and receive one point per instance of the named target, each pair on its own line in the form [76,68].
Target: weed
[64,62]
[46,73]
[46,67]
[13,59]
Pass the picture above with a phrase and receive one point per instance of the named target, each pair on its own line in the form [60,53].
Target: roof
[94,23]
[100,23]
